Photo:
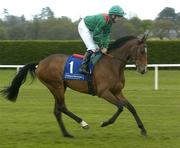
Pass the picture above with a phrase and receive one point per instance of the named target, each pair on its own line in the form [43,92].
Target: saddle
[71,69]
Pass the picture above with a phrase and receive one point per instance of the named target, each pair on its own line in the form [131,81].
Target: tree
[136,22]
[167,13]
[46,13]
[161,28]
[5,12]
[46,26]
[178,20]
[146,25]
[122,28]
[3,33]
[32,29]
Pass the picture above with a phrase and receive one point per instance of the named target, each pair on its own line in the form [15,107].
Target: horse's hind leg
[76,118]
[59,102]
[58,115]
[60,107]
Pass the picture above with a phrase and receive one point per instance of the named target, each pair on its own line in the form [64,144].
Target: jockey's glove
[104,50]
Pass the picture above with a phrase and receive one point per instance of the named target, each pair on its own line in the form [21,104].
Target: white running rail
[155,66]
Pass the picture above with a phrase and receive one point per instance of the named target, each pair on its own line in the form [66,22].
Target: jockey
[94,31]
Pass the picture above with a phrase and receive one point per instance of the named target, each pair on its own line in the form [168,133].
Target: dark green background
[23,52]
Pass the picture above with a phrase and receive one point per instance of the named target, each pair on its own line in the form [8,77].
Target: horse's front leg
[130,107]
[113,118]
[107,95]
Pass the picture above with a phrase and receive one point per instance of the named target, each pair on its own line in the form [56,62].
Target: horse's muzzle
[141,69]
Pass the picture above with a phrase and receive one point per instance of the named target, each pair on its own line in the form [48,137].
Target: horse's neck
[121,55]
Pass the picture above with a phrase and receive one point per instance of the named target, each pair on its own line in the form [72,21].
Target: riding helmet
[116,10]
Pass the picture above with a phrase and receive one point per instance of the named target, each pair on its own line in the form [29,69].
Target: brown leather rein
[113,57]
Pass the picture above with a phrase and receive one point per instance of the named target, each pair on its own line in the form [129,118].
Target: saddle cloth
[71,69]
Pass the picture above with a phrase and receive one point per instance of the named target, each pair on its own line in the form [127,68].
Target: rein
[113,57]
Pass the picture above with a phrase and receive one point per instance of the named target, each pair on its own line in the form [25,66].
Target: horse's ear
[143,39]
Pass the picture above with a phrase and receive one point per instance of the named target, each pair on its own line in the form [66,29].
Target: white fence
[155,66]
[156,73]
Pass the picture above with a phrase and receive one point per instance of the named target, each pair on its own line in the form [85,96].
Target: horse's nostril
[142,69]
[143,72]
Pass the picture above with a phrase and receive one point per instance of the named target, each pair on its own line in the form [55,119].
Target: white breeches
[86,36]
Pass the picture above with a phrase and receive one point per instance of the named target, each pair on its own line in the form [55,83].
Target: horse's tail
[11,92]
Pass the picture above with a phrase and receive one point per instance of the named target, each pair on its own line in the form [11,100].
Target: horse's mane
[120,42]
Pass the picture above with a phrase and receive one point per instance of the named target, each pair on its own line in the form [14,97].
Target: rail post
[156,77]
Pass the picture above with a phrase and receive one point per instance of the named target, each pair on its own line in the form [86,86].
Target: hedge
[22,52]
[164,52]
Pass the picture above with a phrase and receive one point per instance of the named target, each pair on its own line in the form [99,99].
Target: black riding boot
[84,67]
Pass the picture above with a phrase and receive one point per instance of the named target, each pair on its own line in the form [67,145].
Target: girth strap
[90,85]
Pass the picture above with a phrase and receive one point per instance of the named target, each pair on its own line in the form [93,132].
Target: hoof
[104,124]
[144,133]
[68,136]
[84,125]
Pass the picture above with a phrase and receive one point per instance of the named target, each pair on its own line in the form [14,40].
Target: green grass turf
[30,123]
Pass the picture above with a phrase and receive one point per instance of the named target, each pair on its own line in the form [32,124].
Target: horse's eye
[142,50]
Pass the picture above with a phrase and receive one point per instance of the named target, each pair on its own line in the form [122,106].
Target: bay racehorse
[108,79]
